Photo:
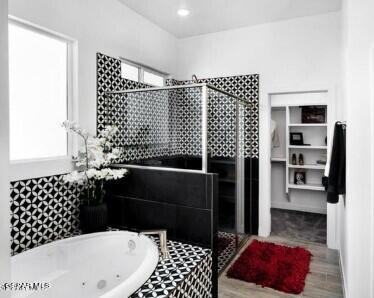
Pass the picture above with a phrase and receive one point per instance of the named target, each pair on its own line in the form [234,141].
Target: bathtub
[107,264]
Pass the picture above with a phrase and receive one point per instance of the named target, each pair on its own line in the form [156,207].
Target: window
[38,93]
[129,72]
[153,79]
[142,74]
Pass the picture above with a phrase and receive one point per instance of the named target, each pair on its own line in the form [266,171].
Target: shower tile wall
[172,125]
[109,79]
[156,123]
[247,88]
[186,106]
[221,125]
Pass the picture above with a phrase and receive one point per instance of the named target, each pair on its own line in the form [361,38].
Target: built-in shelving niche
[286,112]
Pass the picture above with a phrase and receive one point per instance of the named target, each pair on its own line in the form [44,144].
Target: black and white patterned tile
[171,125]
[156,123]
[187,273]
[198,284]
[109,79]
[42,210]
[222,134]
[228,251]
[247,88]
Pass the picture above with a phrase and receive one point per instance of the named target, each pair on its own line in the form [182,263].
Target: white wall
[4,148]
[105,26]
[297,54]
[358,17]
[292,51]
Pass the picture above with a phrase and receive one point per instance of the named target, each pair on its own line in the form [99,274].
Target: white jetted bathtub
[107,264]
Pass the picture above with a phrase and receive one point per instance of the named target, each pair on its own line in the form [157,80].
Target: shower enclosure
[191,128]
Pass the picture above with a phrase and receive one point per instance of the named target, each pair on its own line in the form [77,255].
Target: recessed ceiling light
[183,12]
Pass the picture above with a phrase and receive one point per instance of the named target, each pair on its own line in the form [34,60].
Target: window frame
[142,68]
[40,167]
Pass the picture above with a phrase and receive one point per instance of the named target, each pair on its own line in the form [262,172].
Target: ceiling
[207,16]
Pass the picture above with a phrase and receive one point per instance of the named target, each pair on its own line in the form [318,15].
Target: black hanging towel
[336,178]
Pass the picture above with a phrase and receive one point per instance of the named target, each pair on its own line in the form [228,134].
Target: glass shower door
[222,160]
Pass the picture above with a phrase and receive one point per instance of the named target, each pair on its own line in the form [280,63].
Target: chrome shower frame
[204,122]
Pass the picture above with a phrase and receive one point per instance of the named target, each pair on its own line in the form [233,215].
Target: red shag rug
[271,265]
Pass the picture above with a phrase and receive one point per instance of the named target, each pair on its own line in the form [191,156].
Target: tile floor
[299,225]
[228,253]
[323,281]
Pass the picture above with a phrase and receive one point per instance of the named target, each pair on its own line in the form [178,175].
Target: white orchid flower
[75,177]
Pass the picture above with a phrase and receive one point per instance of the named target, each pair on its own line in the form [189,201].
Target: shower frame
[204,122]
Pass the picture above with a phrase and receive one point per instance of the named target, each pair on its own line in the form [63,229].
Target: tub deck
[188,273]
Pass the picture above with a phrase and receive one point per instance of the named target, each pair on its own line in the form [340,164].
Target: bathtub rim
[152,256]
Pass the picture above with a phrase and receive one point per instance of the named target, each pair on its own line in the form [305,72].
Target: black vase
[93,218]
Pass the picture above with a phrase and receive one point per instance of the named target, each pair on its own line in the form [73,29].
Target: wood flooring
[323,281]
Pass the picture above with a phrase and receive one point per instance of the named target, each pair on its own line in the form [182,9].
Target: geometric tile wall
[247,88]
[221,125]
[168,122]
[142,120]
[173,117]
[156,123]
[42,210]
[109,79]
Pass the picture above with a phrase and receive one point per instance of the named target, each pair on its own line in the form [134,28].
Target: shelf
[307,125]
[317,187]
[278,159]
[307,147]
[309,167]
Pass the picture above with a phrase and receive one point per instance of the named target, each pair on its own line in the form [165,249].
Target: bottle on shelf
[301,159]
[293,159]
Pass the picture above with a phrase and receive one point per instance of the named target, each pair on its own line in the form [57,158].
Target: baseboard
[288,206]
[344,281]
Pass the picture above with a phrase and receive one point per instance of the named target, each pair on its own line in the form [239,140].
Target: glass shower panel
[160,127]
[222,159]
